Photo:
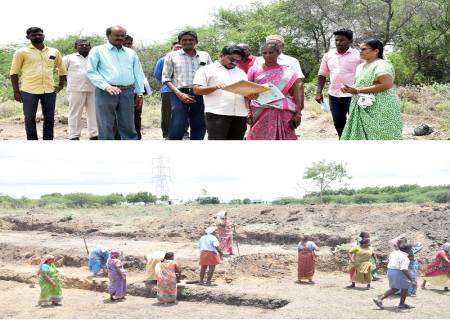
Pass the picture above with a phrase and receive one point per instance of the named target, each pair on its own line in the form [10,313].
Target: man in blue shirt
[165,93]
[116,73]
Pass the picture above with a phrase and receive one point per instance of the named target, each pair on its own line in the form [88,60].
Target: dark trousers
[30,105]
[138,122]
[184,114]
[222,127]
[340,108]
[165,114]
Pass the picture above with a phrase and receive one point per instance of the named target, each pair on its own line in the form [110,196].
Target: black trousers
[222,127]
[138,122]
[340,108]
[165,114]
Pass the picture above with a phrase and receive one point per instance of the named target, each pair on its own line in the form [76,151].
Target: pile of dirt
[328,225]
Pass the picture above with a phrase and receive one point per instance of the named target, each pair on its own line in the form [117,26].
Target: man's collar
[111,46]
[183,52]
[33,47]
[346,52]
[220,65]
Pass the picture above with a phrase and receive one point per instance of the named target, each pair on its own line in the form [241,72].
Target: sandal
[379,303]
[405,306]
[209,284]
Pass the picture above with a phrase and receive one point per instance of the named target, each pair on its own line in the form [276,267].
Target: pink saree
[438,267]
[225,235]
[271,121]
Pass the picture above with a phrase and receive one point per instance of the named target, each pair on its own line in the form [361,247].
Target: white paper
[273,95]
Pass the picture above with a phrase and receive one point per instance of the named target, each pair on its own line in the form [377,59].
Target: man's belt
[123,88]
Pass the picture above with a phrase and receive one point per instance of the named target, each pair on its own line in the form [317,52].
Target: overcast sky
[146,21]
[262,171]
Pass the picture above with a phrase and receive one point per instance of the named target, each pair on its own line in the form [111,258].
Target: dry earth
[315,126]
[256,283]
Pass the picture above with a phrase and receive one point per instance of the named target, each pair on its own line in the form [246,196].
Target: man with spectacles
[226,112]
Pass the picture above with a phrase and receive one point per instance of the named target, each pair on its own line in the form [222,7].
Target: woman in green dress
[375,108]
[51,292]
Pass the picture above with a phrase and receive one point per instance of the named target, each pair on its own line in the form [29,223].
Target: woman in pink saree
[278,119]
[225,233]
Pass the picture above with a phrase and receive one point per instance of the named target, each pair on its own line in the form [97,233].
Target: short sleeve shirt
[180,68]
[208,243]
[36,67]
[77,80]
[398,260]
[341,68]
[311,246]
[222,102]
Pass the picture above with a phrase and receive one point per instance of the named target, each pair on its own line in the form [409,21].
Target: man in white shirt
[399,277]
[210,255]
[284,59]
[226,112]
[81,92]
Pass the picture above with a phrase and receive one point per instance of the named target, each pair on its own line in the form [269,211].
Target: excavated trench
[148,290]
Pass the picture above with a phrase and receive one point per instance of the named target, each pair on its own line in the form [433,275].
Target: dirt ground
[258,282]
[315,126]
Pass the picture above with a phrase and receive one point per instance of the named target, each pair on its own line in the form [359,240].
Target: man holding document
[226,112]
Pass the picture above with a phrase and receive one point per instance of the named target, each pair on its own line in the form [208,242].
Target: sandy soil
[327,299]
[315,126]
[264,271]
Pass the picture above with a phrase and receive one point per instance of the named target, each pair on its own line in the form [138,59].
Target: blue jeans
[184,114]
[30,105]
[108,108]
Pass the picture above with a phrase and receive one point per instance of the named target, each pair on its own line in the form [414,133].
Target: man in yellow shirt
[35,65]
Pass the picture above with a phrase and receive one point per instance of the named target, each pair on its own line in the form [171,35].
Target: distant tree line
[78,200]
[388,194]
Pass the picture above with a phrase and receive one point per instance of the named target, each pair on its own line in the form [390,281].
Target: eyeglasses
[233,60]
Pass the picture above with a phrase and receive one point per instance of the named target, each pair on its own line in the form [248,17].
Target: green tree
[324,174]
[207,200]
[164,198]
[144,197]
[66,45]
[113,199]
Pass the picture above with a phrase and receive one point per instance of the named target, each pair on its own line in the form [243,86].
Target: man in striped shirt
[178,74]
